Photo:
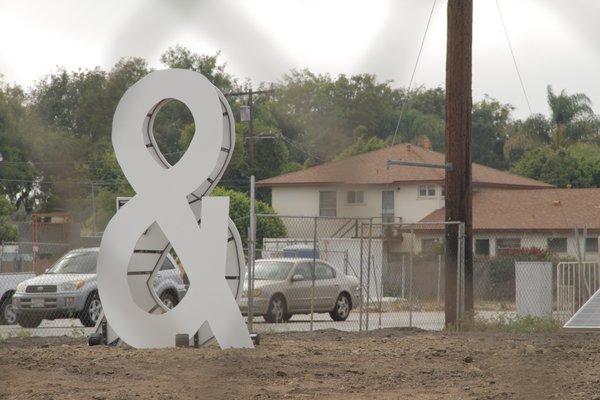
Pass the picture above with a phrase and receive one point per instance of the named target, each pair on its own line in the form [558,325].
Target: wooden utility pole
[458,153]
[250,134]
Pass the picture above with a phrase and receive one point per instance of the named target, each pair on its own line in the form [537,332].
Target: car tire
[29,321]
[342,308]
[277,310]
[7,313]
[168,300]
[91,310]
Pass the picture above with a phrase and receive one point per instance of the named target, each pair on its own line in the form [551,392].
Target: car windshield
[75,263]
[272,270]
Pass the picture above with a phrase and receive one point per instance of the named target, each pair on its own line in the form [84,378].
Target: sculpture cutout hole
[173,129]
[182,273]
[155,277]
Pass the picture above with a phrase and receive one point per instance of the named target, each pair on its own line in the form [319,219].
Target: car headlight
[70,286]
[21,287]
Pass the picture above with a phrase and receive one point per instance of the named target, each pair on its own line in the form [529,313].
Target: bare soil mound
[385,364]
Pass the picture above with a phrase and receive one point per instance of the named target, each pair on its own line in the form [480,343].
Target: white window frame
[355,197]
[427,191]
[325,210]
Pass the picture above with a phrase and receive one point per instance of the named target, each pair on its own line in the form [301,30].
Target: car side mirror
[297,278]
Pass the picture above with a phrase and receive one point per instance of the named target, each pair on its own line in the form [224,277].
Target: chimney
[426,143]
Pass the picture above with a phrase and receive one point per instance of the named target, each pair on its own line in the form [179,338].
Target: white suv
[68,289]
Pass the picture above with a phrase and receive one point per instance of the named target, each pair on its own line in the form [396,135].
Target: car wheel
[7,313]
[29,321]
[168,300]
[91,311]
[342,308]
[277,311]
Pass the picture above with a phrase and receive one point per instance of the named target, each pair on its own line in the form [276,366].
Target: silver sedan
[287,286]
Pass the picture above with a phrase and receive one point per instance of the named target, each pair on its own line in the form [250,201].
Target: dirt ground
[385,364]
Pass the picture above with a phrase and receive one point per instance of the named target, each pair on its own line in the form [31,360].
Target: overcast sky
[555,42]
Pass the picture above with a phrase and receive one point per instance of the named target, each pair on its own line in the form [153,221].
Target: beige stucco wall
[301,201]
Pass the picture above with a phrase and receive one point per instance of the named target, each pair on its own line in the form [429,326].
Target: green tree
[123,75]
[490,123]
[429,101]
[566,166]
[8,232]
[362,145]
[17,175]
[572,118]
[415,125]
[75,102]
[322,115]
[183,58]
[239,212]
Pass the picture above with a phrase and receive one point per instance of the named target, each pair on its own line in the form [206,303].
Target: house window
[355,197]
[482,247]
[504,245]
[327,203]
[443,190]
[387,206]
[426,190]
[591,245]
[557,245]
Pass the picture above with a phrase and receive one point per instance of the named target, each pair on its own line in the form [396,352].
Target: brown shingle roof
[533,210]
[371,169]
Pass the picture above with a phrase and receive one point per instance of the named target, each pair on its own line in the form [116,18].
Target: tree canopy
[57,152]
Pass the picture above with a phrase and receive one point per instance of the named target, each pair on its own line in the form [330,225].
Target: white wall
[304,201]
[297,201]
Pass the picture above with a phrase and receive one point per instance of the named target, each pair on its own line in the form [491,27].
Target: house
[362,186]
[564,221]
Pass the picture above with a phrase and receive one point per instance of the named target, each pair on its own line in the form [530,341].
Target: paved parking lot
[298,323]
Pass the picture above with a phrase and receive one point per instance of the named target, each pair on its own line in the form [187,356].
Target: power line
[412,77]
[294,145]
[513,58]
[45,182]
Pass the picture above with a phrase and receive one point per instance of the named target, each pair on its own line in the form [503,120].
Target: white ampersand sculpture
[171,209]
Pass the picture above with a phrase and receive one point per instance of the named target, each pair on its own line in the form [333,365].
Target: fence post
[439,280]
[251,255]
[369,271]
[360,278]
[410,278]
[403,278]
[460,276]
[312,291]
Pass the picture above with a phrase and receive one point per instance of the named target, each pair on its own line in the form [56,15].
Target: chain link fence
[544,275]
[315,273]
[398,269]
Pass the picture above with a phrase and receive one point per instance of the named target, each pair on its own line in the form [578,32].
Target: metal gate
[576,282]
